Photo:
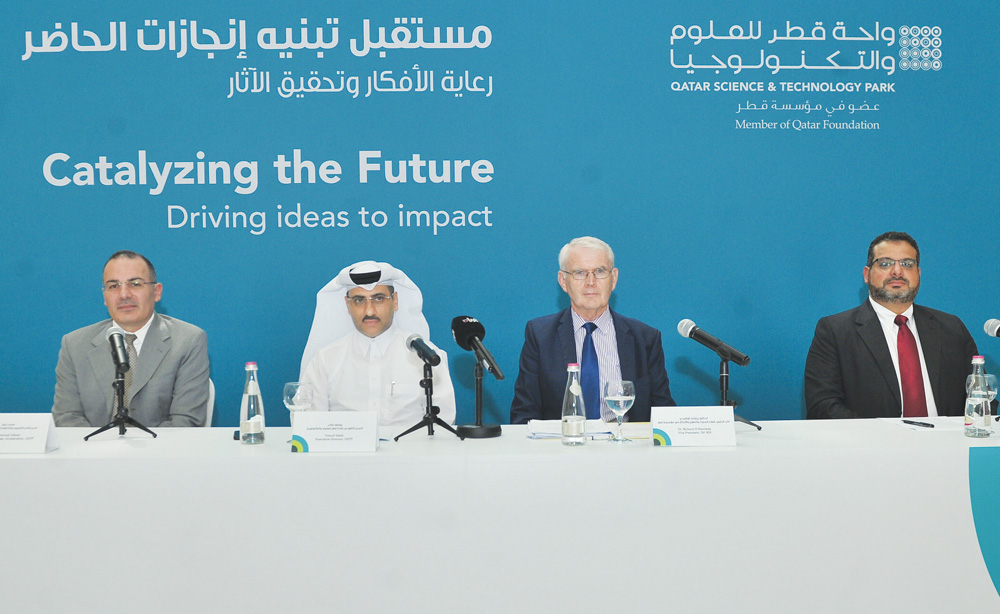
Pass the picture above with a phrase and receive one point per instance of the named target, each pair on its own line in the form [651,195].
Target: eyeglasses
[375,299]
[132,284]
[887,263]
[580,274]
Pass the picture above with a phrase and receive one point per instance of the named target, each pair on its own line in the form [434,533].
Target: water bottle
[574,416]
[977,403]
[252,409]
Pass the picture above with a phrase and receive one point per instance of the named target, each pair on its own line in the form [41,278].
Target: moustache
[371,319]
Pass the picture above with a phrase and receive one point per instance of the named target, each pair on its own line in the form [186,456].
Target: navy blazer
[849,372]
[549,346]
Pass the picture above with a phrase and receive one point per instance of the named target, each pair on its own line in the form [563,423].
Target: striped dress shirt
[606,345]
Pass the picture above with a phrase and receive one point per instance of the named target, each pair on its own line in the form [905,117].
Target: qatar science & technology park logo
[919,48]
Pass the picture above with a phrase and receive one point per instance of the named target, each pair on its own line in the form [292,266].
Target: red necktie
[914,401]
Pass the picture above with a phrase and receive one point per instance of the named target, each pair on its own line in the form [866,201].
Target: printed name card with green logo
[335,431]
[693,426]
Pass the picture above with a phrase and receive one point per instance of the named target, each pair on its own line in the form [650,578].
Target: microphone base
[479,431]
[121,418]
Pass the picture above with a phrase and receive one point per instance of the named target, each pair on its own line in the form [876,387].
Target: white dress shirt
[140,335]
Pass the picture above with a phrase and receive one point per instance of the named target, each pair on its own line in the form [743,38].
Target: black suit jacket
[549,346]
[849,372]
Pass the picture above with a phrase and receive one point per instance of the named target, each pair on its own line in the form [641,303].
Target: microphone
[992,328]
[468,333]
[119,354]
[424,351]
[687,328]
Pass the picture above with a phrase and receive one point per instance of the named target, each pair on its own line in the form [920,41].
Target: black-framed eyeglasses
[885,264]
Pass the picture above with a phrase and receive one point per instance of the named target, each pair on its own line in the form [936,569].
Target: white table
[836,516]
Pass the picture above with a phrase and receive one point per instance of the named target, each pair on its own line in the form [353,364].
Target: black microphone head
[464,329]
[686,327]
[114,330]
[417,344]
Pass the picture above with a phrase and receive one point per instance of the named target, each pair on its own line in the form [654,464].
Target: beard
[885,295]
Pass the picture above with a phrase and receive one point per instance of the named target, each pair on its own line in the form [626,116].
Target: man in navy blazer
[627,348]
[853,366]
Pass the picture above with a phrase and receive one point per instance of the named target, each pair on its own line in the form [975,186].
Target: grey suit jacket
[169,379]
[849,372]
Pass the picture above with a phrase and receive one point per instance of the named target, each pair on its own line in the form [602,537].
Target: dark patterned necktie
[912,381]
[132,356]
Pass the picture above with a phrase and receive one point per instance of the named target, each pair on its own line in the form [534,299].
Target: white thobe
[358,373]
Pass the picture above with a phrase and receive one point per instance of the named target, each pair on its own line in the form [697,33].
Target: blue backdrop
[739,160]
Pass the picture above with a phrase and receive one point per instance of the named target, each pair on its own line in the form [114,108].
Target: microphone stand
[121,417]
[431,412]
[479,430]
[724,387]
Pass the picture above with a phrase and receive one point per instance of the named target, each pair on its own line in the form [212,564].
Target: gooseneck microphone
[469,333]
[424,351]
[992,327]
[687,328]
[116,336]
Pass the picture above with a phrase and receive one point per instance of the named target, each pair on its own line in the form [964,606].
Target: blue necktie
[590,375]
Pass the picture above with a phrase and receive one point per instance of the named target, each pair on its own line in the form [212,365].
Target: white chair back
[211,403]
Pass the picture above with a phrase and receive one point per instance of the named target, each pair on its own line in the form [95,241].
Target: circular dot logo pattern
[920,48]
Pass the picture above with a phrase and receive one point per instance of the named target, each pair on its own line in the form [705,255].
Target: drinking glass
[991,385]
[297,397]
[619,395]
[991,388]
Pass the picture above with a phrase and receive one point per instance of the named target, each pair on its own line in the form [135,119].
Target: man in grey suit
[167,384]
[889,357]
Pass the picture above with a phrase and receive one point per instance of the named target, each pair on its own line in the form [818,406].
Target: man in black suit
[859,358]
[624,348]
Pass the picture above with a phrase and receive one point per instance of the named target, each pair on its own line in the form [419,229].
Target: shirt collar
[140,335]
[888,317]
[380,344]
[603,321]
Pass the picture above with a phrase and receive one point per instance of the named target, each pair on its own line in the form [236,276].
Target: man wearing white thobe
[370,368]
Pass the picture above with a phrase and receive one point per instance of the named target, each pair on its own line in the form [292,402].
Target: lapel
[99,357]
[929,330]
[626,347]
[870,331]
[154,348]
[567,342]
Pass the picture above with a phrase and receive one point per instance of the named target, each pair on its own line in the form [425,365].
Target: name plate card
[27,433]
[693,426]
[335,431]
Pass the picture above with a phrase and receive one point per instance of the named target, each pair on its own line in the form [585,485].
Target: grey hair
[585,243]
